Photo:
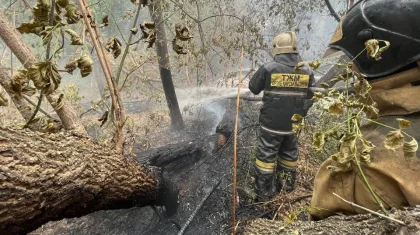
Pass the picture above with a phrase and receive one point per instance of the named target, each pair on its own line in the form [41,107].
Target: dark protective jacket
[285,92]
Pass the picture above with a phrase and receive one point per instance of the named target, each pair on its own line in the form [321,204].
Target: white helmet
[284,43]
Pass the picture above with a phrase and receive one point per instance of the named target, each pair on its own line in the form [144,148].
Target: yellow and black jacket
[285,92]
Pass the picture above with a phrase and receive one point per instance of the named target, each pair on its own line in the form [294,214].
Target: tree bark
[164,66]
[12,38]
[49,177]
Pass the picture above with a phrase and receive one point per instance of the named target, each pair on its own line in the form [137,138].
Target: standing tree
[155,9]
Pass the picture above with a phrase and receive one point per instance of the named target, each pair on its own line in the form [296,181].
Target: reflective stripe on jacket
[285,91]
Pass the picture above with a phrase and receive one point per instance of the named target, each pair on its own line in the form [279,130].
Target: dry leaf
[3,100]
[41,12]
[147,25]
[314,64]
[71,66]
[45,76]
[381,50]
[152,39]
[104,118]
[33,27]
[113,45]
[317,96]
[325,85]
[75,39]
[47,34]
[337,108]
[72,14]
[371,112]
[85,65]
[298,66]
[394,140]
[410,149]
[367,148]
[182,33]
[134,31]
[373,50]
[362,87]
[62,3]
[178,48]
[19,84]
[105,22]
[318,141]
[403,124]
[297,117]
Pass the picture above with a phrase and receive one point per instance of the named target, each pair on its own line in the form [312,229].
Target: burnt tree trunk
[49,177]
[155,10]
[13,40]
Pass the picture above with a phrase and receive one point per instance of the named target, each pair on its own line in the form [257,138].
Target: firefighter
[285,92]
[395,81]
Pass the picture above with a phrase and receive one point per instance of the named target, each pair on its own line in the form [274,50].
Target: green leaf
[410,149]
[337,108]
[45,76]
[403,123]
[75,39]
[314,64]
[85,65]
[297,117]
[318,141]
[394,140]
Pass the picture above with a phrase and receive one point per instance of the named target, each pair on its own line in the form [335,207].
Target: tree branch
[370,211]
[333,13]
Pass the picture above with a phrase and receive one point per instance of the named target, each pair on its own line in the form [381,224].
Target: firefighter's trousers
[276,163]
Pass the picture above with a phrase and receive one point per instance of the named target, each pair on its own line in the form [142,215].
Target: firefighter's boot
[286,178]
[264,184]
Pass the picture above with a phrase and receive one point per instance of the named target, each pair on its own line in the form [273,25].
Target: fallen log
[49,177]
[45,177]
[191,151]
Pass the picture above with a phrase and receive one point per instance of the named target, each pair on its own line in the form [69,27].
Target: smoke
[210,102]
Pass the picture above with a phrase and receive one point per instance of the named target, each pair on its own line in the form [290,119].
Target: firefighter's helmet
[284,43]
[395,21]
